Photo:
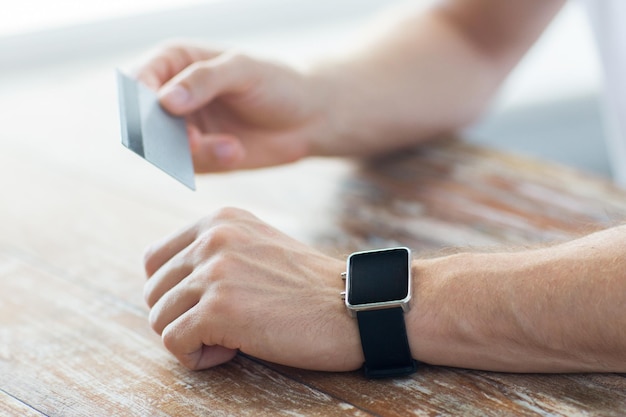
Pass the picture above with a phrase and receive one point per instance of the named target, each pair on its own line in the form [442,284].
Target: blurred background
[49,50]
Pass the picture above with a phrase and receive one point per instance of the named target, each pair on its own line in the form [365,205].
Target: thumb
[202,81]
[215,152]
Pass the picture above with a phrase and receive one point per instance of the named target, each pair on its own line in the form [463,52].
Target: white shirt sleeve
[608,22]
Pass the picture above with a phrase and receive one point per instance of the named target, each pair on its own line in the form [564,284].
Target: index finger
[167,61]
[157,254]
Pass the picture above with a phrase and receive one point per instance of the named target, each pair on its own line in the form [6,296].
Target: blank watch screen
[380,276]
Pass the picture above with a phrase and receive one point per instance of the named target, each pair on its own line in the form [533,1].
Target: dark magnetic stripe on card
[130,117]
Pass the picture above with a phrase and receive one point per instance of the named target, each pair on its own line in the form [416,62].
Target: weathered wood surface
[76,211]
[9,406]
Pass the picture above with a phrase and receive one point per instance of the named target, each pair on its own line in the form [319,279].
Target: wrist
[466,312]
[423,328]
[451,321]
[352,116]
[329,132]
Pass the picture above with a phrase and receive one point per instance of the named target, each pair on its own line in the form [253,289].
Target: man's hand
[231,282]
[241,112]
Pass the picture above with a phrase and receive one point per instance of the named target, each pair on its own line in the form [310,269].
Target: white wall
[273,25]
[550,106]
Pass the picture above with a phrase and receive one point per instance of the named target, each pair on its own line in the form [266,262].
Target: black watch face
[379,276]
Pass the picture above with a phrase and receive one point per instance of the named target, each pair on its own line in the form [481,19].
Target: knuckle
[229,213]
[148,297]
[148,260]
[175,45]
[220,230]
[238,58]
[217,273]
[217,286]
[200,72]
[169,337]
[153,320]
[221,304]
[213,240]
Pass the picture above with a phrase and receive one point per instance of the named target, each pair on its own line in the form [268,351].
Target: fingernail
[224,151]
[176,95]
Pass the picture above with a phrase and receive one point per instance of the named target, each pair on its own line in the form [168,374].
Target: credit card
[152,133]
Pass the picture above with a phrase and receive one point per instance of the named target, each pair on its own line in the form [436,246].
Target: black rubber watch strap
[385,343]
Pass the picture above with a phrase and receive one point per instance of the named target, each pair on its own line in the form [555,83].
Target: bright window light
[23,16]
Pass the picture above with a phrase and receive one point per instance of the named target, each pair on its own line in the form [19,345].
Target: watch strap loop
[385,343]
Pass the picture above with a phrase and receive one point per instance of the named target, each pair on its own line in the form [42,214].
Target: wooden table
[77,210]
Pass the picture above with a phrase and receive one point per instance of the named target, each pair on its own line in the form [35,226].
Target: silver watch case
[354,308]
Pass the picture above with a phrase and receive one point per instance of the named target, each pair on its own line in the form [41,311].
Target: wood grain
[70,350]
[77,210]
[448,391]
[10,406]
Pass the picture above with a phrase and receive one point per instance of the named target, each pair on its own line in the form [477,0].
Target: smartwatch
[378,291]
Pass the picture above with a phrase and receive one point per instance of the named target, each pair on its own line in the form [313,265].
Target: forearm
[557,309]
[433,72]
